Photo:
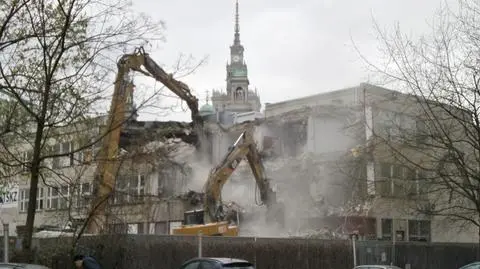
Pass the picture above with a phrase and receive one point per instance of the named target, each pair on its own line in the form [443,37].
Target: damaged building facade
[310,147]
[316,151]
[320,155]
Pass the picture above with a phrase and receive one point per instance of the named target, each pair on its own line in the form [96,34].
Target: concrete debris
[193,197]
[176,148]
[323,233]
[351,209]
[300,114]
[183,152]
[138,133]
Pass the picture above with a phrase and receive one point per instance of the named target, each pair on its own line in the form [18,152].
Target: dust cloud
[302,186]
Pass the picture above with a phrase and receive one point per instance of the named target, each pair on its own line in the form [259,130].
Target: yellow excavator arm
[107,162]
[214,217]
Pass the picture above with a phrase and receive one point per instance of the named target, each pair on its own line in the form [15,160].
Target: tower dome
[206,109]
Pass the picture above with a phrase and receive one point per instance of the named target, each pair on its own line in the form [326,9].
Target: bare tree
[438,132]
[55,70]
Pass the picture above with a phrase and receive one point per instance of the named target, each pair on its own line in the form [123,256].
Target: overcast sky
[292,48]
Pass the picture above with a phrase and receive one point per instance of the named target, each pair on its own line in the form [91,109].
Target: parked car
[380,266]
[473,265]
[21,266]
[216,263]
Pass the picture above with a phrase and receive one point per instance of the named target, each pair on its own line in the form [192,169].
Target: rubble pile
[351,208]
[139,133]
[323,233]
[193,197]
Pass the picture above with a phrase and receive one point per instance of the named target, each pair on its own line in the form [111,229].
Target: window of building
[239,94]
[119,228]
[27,160]
[63,201]
[121,190]
[40,198]
[427,131]
[63,161]
[83,195]
[400,180]
[52,197]
[167,180]
[419,230]
[23,201]
[130,189]
[422,182]
[384,182]
[24,198]
[385,170]
[58,197]
[132,228]
[387,228]
[137,189]
[411,185]
[141,228]
[161,227]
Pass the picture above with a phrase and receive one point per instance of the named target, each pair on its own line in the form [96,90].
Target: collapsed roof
[139,133]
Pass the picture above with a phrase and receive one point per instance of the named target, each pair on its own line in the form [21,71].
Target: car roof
[470,264]
[24,265]
[378,265]
[220,260]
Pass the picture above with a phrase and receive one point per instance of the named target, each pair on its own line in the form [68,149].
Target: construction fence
[167,252]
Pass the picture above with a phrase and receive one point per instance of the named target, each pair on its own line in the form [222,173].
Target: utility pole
[200,244]
[5,242]
[354,247]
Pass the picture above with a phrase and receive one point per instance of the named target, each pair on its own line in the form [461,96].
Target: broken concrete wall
[305,145]
[307,148]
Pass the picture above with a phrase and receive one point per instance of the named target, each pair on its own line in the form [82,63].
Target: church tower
[238,97]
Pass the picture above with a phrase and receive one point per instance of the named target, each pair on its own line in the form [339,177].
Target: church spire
[236,41]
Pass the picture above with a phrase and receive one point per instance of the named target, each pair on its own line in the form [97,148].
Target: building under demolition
[316,151]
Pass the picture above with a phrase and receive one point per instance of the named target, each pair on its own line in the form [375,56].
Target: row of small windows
[72,158]
[53,198]
[129,189]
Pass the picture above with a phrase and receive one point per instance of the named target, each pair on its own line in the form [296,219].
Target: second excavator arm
[139,58]
[244,146]
[107,161]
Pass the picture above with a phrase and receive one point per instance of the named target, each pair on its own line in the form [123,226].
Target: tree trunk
[34,176]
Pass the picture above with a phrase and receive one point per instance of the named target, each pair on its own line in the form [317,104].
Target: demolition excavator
[107,161]
[213,219]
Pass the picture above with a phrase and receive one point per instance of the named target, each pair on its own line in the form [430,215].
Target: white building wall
[348,96]
[327,135]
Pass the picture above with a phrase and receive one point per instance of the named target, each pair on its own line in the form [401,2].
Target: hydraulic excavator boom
[214,216]
[107,162]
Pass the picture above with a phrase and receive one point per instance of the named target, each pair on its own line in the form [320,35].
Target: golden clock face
[236,58]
